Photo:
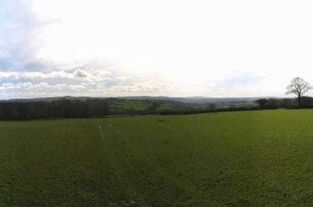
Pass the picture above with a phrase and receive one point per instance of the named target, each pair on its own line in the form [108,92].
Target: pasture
[256,158]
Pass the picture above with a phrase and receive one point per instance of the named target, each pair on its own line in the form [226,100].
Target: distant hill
[76,107]
[187,100]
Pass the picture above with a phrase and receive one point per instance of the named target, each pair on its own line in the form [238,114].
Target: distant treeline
[287,103]
[227,109]
[95,107]
[264,103]
[76,108]
[62,108]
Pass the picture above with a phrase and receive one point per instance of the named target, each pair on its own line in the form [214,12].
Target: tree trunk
[299,101]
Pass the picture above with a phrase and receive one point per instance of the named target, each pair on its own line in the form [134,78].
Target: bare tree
[299,87]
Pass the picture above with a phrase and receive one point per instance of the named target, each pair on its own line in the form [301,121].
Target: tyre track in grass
[163,175]
[115,165]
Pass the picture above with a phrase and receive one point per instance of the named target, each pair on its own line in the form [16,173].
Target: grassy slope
[227,159]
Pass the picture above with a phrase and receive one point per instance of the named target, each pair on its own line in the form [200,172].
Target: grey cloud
[81,74]
[18,43]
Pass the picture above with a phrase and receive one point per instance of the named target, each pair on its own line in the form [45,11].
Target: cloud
[81,74]
[34,75]
[238,83]
[80,82]
[29,83]
[21,29]
[111,83]
[121,47]
[17,26]
[42,89]
[238,79]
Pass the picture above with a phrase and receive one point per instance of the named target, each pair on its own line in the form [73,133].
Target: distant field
[259,158]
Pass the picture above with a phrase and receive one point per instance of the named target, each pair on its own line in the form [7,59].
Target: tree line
[63,108]
[297,86]
[75,108]
[97,107]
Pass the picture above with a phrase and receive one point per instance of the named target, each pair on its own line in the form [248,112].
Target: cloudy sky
[221,48]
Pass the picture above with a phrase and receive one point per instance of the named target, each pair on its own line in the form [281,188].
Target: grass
[259,158]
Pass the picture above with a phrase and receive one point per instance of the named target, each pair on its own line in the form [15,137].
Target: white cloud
[166,47]
[35,75]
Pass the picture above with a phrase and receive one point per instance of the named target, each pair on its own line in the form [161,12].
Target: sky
[224,48]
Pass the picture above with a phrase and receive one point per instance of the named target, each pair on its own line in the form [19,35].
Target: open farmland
[259,158]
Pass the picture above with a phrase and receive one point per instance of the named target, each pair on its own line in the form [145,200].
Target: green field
[259,158]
